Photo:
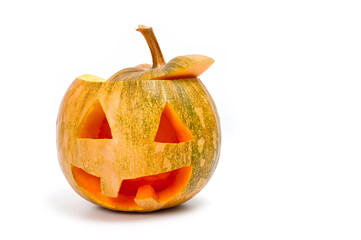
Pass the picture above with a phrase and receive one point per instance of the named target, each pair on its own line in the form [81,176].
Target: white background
[286,82]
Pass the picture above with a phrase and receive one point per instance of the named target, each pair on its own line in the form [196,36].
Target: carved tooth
[145,192]
[147,198]
[110,185]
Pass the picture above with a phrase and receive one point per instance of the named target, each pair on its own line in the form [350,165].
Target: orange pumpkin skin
[135,144]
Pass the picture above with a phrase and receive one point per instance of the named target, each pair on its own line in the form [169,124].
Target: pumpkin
[147,138]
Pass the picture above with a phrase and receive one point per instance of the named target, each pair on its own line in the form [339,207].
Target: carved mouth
[148,192]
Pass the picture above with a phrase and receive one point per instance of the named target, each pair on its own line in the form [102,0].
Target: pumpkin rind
[182,67]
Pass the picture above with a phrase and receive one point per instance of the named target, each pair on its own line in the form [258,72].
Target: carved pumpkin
[145,139]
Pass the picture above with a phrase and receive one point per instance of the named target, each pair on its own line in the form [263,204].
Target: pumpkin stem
[158,59]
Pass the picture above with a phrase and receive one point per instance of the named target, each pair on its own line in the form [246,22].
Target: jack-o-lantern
[147,138]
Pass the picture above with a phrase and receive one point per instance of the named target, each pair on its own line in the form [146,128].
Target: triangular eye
[95,124]
[171,128]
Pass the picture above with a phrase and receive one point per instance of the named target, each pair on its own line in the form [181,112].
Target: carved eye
[95,124]
[171,128]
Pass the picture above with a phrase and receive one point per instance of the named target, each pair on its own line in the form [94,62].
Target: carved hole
[95,124]
[171,128]
[165,185]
